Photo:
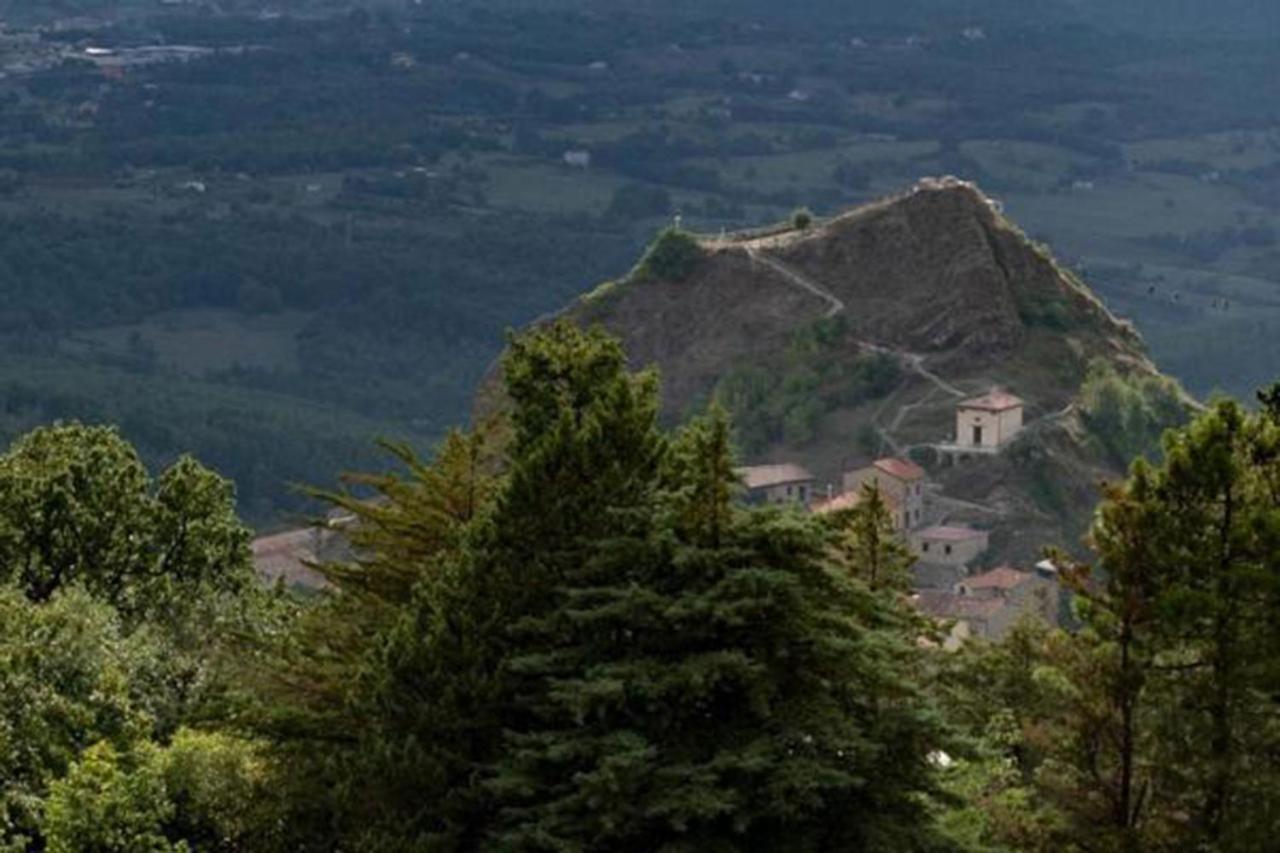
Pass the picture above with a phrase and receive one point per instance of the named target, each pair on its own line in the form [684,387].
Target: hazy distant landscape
[267,232]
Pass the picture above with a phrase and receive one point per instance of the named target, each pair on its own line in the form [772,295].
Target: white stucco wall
[997,427]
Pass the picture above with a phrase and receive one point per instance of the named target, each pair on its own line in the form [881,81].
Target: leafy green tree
[224,789]
[1128,413]
[110,802]
[674,255]
[1001,698]
[69,678]
[78,506]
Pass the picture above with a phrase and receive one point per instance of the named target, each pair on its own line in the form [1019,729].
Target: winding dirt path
[797,278]
[914,362]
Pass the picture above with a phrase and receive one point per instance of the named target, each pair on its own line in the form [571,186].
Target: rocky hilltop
[854,337]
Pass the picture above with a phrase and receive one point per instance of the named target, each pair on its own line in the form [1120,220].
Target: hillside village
[952,583]
[938,283]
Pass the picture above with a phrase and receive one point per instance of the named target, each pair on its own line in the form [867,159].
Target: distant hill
[855,337]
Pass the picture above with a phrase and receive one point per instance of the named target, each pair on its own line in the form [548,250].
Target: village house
[987,423]
[776,484]
[988,605]
[849,500]
[289,557]
[900,481]
[953,546]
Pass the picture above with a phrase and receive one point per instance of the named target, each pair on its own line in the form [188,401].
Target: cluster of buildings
[949,585]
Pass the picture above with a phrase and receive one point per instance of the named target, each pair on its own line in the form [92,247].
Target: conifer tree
[611,655]
[1102,773]
[868,544]
[363,696]
[1162,734]
[698,677]
[1217,541]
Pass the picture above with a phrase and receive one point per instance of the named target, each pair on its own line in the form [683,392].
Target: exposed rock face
[923,271]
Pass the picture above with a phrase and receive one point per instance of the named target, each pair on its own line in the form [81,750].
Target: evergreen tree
[369,694]
[868,544]
[1218,534]
[698,677]
[1154,728]
[1103,774]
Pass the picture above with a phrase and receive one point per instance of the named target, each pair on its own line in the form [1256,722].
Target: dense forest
[563,631]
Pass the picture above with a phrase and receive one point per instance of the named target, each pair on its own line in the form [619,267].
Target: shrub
[1128,414]
[673,256]
[801,219]
[111,802]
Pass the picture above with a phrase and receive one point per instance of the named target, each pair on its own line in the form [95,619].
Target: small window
[946,549]
[924,546]
[788,491]
[802,493]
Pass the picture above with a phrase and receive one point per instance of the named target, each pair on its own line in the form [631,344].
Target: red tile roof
[765,476]
[900,469]
[951,534]
[994,401]
[1001,578]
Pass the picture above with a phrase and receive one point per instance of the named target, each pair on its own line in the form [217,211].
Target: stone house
[775,484]
[949,546]
[988,605]
[986,423]
[902,484]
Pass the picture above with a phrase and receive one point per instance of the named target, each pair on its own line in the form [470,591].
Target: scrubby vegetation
[674,255]
[782,399]
[1127,413]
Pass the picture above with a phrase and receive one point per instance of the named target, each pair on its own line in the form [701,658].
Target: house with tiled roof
[986,423]
[849,500]
[989,604]
[997,583]
[775,484]
[900,481]
[289,557]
